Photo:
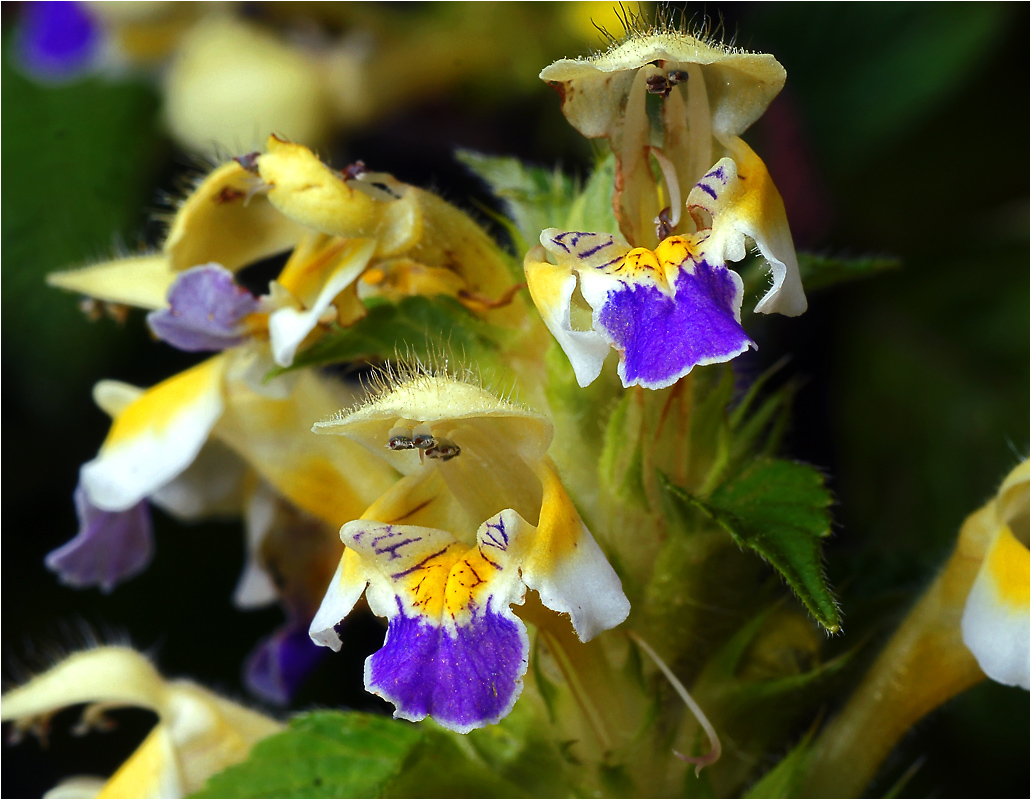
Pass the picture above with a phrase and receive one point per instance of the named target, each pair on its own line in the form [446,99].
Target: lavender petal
[110,547]
[206,311]
[281,663]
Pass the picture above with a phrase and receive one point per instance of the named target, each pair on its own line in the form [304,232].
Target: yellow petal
[230,83]
[995,622]
[314,276]
[117,675]
[228,221]
[551,288]
[307,191]
[566,566]
[151,771]
[332,479]
[155,437]
[141,281]
[346,586]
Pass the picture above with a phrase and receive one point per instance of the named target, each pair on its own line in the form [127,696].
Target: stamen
[400,438]
[443,449]
[715,748]
[423,437]
[669,172]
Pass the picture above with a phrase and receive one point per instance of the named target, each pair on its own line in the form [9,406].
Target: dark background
[903,131]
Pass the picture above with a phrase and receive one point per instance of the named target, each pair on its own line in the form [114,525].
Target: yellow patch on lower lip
[1009,565]
[155,409]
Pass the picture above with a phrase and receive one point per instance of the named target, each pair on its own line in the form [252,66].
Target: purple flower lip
[663,338]
[281,663]
[464,679]
[56,41]
[207,311]
[110,547]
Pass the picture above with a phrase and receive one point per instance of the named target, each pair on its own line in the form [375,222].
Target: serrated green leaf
[753,428]
[322,754]
[417,326]
[778,509]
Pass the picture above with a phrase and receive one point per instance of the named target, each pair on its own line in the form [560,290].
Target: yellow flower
[995,615]
[709,95]
[480,517]
[198,733]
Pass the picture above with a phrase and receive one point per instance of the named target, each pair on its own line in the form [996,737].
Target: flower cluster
[523,546]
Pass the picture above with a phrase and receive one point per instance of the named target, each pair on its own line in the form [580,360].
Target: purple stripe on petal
[708,190]
[110,547]
[662,338]
[56,40]
[206,311]
[464,680]
[281,663]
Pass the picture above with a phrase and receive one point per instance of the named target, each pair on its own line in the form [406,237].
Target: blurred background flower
[916,395]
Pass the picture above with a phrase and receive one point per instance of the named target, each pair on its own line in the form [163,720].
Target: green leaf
[819,272]
[894,66]
[416,327]
[322,754]
[592,209]
[79,163]
[778,509]
[535,198]
[784,780]
[444,764]
[347,754]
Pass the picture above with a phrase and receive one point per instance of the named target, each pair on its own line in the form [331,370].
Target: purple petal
[662,338]
[111,546]
[281,663]
[56,40]
[206,310]
[464,680]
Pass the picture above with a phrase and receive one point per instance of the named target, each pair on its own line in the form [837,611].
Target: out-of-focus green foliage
[79,164]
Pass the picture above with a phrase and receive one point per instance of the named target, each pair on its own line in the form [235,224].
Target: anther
[423,437]
[659,84]
[443,450]
[400,438]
